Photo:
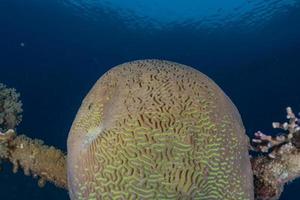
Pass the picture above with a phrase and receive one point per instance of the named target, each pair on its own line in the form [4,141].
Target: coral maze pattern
[158,130]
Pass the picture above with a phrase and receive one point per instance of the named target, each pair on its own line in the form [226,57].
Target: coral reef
[31,155]
[156,130]
[153,129]
[4,139]
[282,162]
[10,108]
[34,158]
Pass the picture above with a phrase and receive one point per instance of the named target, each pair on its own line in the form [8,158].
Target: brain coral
[153,129]
[10,108]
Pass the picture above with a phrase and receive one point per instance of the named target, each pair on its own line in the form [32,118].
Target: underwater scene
[140,99]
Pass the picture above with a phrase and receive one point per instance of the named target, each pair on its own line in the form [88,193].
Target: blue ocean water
[54,51]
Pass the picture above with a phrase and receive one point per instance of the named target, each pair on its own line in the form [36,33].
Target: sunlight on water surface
[164,13]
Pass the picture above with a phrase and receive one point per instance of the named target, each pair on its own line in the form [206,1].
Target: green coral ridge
[153,129]
[10,108]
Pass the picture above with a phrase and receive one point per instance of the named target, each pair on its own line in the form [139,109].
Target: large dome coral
[153,129]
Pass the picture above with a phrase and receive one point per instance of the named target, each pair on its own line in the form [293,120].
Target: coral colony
[282,163]
[31,155]
[160,137]
[10,108]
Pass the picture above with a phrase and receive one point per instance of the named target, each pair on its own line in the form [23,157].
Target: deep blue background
[68,47]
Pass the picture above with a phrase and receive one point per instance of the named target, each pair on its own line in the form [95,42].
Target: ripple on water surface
[165,13]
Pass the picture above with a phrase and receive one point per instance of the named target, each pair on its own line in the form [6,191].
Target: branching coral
[10,108]
[34,158]
[282,162]
[31,155]
[4,138]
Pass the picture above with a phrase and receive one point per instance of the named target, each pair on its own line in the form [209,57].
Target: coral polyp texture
[35,158]
[155,129]
[10,108]
[282,163]
[32,156]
